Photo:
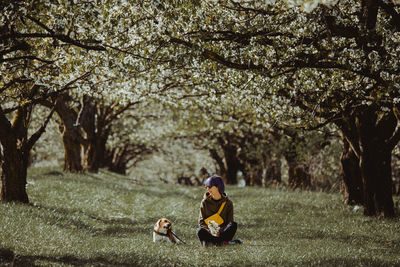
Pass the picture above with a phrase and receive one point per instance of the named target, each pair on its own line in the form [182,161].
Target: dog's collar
[162,234]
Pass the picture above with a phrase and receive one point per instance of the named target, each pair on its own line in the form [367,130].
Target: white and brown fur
[163,231]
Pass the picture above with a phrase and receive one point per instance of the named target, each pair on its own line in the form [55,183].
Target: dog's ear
[157,225]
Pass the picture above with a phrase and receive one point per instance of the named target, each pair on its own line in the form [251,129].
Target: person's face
[213,190]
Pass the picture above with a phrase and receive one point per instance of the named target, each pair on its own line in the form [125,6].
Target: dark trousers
[226,234]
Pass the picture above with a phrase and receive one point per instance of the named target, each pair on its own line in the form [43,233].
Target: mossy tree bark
[16,147]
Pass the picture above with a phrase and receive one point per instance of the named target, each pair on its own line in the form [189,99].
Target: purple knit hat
[217,181]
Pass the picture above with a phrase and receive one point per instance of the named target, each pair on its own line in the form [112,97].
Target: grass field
[107,220]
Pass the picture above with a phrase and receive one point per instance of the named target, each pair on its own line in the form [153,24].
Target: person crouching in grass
[218,229]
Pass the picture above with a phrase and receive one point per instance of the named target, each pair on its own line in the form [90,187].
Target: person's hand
[218,233]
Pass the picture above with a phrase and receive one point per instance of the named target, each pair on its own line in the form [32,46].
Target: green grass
[107,220]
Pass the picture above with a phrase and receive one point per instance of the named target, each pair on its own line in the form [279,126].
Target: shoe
[235,242]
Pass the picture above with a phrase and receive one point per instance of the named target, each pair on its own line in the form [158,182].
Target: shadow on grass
[114,226]
[149,260]
[102,260]
[131,187]
[341,261]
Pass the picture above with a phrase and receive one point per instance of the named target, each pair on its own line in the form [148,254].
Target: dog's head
[163,225]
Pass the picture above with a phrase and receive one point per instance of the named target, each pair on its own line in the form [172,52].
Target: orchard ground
[107,219]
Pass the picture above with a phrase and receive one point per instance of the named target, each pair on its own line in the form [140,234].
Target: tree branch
[25,57]
[394,140]
[52,34]
[389,8]
[51,94]
[220,59]
[35,137]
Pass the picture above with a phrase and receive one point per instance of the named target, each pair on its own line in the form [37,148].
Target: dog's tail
[178,238]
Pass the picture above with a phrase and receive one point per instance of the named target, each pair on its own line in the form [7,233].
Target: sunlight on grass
[107,219]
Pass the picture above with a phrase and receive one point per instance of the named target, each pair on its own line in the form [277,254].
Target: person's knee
[232,226]
[229,231]
[200,232]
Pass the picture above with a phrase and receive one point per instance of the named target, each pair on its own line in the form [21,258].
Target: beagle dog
[163,231]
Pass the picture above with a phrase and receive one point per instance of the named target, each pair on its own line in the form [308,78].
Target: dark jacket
[209,206]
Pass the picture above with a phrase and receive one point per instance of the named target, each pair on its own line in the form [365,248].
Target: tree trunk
[72,152]
[351,172]
[372,138]
[120,159]
[114,160]
[375,160]
[375,163]
[253,173]
[96,134]
[228,164]
[14,161]
[299,176]
[119,168]
[16,147]
[273,172]
[72,139]
[95,153]
[232,164]
[13,178]
[220,169]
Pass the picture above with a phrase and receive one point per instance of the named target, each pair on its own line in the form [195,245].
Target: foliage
[285,53]
[107,219]
[221,67]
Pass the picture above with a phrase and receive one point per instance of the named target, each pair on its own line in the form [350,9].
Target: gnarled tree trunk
[16,147]
[115,160]
[375,160]
[351,172]
[372,139]
[72,152]
[376,171]
[13,178]
[15,156]
[273,172]
[94,153]
[299,176]
[93,122]
[232,163]
[228,164]
[71,136]
[119,159]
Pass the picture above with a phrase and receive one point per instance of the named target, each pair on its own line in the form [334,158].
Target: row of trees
[336,65]
[241,75]
[56,56]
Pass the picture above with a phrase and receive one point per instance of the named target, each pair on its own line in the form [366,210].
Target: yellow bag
[215,217]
